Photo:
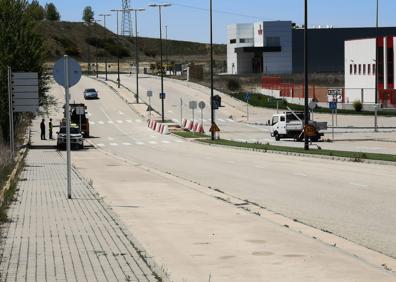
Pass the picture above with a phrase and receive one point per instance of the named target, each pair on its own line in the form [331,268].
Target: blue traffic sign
[74,72]
[248,96]
[162,95]
[333,105]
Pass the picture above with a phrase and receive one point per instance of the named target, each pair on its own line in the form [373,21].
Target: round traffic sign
[74,71]
[202,105]
[312,105]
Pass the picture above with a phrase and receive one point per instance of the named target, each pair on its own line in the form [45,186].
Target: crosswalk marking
[128,121]
[152,142]
[165,142]
[126,144]
[113,144]
[139,143]
[119,121]
[110,122]
[92,123]
[100,122]
[138,120]
[121,113]
[110,138]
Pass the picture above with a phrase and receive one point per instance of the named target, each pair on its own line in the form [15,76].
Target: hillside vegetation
[80,40]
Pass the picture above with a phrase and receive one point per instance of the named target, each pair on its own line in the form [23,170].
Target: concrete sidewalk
[50,238]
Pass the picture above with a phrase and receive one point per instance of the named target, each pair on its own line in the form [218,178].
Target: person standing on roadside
[50,127]
[42,128]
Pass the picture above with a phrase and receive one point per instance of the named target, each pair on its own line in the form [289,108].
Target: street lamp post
[160,6]
[96,53]
[211,72]
[104,24]
[118,49]
[376,67]
[306,90]
[137,52]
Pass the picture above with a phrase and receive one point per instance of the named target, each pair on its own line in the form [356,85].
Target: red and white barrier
[161,128]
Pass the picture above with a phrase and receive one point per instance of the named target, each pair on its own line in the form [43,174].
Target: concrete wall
[360,53]
[238,32]
[278,62]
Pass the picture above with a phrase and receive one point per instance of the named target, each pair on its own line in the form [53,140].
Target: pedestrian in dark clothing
[50,127]
[42,128]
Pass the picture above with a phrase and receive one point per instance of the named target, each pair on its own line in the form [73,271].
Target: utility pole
[96,53]
[162,94]
[118,50]
[376,67]
[104,24]
[211,72]
[306,84]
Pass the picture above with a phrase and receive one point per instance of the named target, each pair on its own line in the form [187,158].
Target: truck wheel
[277,136]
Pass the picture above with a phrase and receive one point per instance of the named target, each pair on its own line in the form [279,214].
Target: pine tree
[36,11]
[88,14]
[52,13]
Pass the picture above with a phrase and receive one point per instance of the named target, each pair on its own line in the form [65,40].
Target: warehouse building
[276,47]
[360,71]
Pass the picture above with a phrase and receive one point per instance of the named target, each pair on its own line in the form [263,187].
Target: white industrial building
[262,47]
[360,71]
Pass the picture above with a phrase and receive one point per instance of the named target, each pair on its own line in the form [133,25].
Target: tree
[88,14]
[36,11]
[20,48]
[51,12]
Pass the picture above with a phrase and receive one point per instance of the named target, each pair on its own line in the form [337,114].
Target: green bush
[357,105]
[233,85]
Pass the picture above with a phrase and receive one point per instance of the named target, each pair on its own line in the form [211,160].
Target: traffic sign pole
[67,111]
[11,113]
[181,112]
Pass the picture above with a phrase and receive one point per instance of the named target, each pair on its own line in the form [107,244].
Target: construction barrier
[158,127]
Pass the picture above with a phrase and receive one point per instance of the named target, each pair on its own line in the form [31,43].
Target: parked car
[76,137]
[90,93]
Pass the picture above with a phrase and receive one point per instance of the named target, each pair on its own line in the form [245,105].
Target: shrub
[357,105]
[234,85]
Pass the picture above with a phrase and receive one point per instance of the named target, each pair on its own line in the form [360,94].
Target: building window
[232,41]
[350,69]
[369,69]
[246,40]
[374,69]
[354,69]
[364,69]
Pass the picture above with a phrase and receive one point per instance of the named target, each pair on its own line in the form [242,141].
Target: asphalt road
[352,200]
[234,125]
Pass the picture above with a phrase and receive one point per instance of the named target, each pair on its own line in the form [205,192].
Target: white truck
[291,125]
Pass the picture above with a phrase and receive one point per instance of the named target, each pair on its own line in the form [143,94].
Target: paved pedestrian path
[50,238]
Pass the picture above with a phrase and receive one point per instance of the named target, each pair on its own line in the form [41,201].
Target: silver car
[76,138]
[90,93]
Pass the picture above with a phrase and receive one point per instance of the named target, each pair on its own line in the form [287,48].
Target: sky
[189,19]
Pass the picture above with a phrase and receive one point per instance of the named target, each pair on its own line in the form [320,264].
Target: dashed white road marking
[110,138]
[119,121]
[260,167]
[121,113]
[126,144]
[110,122]
[358,184]
[100,145]
[128,121]
[138,120]
[153,142]
[113,144]
[100,122]
[165,142]
[139,143]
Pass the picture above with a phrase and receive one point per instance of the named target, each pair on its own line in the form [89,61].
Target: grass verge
[354,156]
[188,134]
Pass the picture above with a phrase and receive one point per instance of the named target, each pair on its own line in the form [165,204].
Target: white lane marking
[171,112]
[100,145]
[230,120]
[92,123]
[139,143]
[221,120]
[138,120]
[100,122]
[128,121]
[113,144]
[300,174]
[154,136]
[110,122]
[126,144]
[119,121]
[110,138]
[260,167]
[358,184]
[152,142]
[165,142]
[121,113]
[179,141]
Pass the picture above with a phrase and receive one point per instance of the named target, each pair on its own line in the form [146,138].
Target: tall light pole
[211,72]
[306,90]
[104,24]
[137,51]
[376,67]
[88,24]
[96,53]
[162,95]
[166,47]
[118,49]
